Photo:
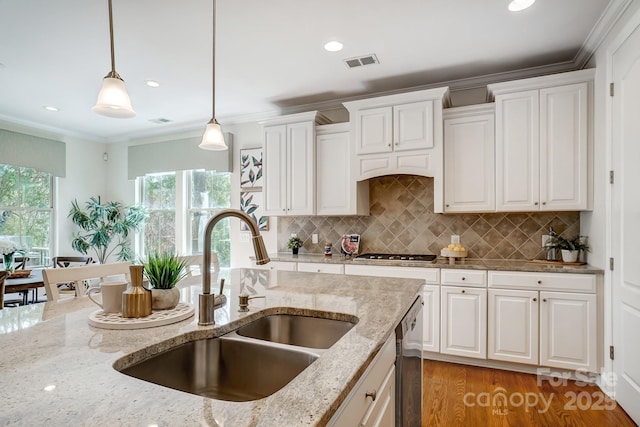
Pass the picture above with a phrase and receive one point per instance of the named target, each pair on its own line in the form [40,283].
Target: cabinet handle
[539,282]
[389,145]
[535,299]
[463,291]
[318,270]
[544,203]
[544,300]
[464,278]
[447,205]
[535,204]
[371,394]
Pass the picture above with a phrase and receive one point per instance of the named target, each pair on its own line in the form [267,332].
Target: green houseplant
[570,248]
[105,228]
[294,244]
[164,271]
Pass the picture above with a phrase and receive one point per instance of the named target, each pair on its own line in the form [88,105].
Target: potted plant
[570,248]
[294,244]
[164,271]
[105,227]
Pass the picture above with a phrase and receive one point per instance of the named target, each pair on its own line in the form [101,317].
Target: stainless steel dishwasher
[409,367]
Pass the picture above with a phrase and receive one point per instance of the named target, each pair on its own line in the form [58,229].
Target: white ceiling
[270,58]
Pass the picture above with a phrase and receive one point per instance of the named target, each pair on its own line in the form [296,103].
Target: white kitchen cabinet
[400,134]
[289,165]
[277,265]
[513,325]
[372,401]
[319,267]
[542,140]
[463,321]
[337,191]
[568,333]
[429,275]
[469,159]
[431,318]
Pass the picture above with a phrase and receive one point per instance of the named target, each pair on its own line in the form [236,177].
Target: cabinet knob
[544,203]
[371,394]
[447,205]
[544,300]
[463,291]
[535,299]
[535,204]
[389,145]
[539,282]
[464,278]
[318,270]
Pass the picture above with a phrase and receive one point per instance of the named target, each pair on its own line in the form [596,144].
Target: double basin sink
[250,363]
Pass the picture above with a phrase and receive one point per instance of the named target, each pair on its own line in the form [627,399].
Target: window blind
[45,155]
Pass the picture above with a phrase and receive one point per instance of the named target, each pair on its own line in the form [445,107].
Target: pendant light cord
[213,63]
[113,56]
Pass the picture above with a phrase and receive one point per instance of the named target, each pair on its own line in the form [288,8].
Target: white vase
[164,299]
[570,256]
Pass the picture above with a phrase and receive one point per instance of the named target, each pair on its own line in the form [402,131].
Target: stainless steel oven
[409,367]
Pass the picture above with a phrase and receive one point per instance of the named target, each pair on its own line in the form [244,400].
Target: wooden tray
[19,274]
[103,320]
[560,263]
[453,255]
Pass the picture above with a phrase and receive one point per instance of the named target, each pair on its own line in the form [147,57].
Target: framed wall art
[251,168]
[251,204]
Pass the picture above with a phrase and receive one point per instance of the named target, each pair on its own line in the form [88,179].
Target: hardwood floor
[460,395]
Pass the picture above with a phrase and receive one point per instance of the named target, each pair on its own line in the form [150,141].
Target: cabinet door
[431,318]
[463,321]
[275,170]
[319,267]
[513,326]
[382,413]
[568,336]
[413,126]
[563,147]
[334,167]
[469,164]
[373,130]
[301,169]
[517,151]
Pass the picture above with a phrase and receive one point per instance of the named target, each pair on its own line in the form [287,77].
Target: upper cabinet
[337,191]
[289,164]
[469,159]
[399,134]
[542,138]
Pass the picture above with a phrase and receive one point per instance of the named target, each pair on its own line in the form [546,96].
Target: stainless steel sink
[224,368]
[304,331]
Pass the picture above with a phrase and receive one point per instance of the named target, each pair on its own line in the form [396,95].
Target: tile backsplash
[402,221]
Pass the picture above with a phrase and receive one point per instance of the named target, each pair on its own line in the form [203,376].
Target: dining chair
[3,276]
[70,261]
[194,268]
[53,276]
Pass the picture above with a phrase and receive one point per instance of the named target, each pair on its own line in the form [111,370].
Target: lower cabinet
[431,318]
[319,267]
[463,313]
[277,265]
[372,401]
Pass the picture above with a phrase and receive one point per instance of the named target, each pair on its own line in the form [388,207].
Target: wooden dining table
[23,285]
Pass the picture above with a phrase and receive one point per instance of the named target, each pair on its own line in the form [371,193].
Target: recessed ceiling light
[333,46]
[50,387]
[518,5]
[153,83]
[51,108]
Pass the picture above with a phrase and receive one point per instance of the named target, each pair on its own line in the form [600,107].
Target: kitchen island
[58,370]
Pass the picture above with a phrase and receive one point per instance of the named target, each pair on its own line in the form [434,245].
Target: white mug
[111,296]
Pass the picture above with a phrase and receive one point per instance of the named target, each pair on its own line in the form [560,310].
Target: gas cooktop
[397,257]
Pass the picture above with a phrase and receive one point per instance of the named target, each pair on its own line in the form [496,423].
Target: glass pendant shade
[113,99]
[212,139]
[518,5]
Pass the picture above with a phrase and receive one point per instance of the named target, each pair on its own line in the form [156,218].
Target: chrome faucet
[207,299]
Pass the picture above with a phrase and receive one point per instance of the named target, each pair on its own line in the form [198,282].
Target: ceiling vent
[362,61]
[160,120]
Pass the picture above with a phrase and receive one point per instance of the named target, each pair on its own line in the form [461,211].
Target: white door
[517,151]
[301,169]
[413,126]
[513,326]
[626,224]
[563,147]
[333,166]
[275,170]
[568,337]
[431,318]
[464,321]
[373,130]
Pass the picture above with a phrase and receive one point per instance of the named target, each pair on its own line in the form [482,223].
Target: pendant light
[212,139]
[113,99]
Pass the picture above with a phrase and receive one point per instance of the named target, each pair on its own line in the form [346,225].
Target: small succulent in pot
[164,270]
[294,244]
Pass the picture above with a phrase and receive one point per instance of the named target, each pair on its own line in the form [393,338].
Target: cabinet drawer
[476,278]
[430,275]
[357,404]
[277,265]
[318,267]
[566,282]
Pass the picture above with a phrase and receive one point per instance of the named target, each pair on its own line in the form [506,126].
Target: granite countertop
[469,263]
[52,344]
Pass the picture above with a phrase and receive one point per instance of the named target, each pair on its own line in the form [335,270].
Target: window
[180,204]
[26,211]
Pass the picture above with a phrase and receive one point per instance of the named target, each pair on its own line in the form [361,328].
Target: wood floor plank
[461,395]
